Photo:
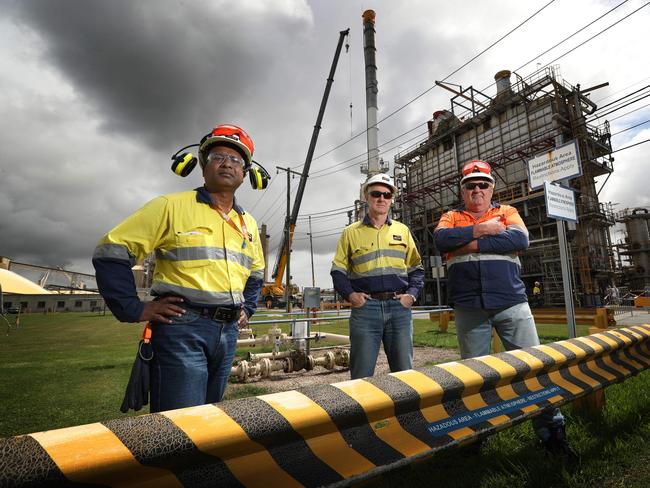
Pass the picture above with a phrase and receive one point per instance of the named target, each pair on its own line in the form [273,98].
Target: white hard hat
[380,179]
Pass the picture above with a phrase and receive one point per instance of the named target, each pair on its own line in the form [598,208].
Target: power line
[568,37]
[630,128]
[599,33]
[631,145]
[630,112]
[430,88]
[525,64]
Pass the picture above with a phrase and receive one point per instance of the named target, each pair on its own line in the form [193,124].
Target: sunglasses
[483,185]
[376,194]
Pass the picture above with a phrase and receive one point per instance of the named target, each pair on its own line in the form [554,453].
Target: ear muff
[258,177]
[183,164]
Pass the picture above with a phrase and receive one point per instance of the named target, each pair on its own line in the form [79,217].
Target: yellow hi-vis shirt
[377,260]
[199,256]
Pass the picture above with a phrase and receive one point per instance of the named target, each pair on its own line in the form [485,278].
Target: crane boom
[280,263]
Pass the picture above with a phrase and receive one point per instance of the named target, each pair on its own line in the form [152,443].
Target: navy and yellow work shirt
[375,260]
[490,278]
[199,256]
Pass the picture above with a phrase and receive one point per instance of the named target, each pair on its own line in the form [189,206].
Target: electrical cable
[630,128]
[430,88]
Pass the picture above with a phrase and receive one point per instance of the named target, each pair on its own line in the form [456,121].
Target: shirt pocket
[194,248]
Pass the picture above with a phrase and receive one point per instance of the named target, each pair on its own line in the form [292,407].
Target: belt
[221,314]
[383,295]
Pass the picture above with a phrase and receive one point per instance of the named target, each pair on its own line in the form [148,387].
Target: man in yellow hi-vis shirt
[208,275]
[378,269]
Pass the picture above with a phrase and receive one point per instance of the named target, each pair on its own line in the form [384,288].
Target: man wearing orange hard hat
[482,239]
[208,275]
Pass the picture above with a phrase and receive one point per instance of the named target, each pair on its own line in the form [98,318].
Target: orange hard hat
[477,169]
[229,135]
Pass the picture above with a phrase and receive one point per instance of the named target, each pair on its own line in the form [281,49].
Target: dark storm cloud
[152,68]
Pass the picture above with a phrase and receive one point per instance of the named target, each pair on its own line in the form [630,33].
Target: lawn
[69,369]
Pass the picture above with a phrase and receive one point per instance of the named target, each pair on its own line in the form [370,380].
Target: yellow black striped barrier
[329,434]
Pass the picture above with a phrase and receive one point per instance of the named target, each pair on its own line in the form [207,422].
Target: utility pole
[287,237]
[311,251]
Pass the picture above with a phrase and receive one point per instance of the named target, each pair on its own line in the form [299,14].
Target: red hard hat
[477,168]
[230,135]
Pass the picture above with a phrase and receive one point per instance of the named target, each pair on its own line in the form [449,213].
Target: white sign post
[560,163]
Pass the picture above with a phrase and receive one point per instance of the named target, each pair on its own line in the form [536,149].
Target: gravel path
[291,381]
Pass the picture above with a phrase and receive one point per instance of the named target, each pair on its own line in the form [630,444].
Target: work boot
[558,447]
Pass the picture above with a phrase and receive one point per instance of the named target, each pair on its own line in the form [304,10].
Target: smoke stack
[369,51]
[503,83]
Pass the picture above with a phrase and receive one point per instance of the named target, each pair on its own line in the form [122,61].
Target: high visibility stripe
[198,296]
[207,253]
[477,257]
[414,268]
[257,274]
[90,452]
[248,461]
[314,424]
[401,272]
[338,268]
[380,411]
[378,253]
[114,251]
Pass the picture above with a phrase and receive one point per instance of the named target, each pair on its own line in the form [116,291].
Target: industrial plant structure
[525,117]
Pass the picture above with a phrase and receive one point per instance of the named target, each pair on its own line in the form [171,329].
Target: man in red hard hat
[207,279]
[482,239]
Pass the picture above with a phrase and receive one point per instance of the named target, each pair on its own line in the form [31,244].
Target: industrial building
[525,117]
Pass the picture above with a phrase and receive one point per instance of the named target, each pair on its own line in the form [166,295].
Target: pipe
[289,361]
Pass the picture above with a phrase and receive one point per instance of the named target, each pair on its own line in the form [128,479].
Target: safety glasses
[376,194]
[220,158]
[483,185]
[477,166]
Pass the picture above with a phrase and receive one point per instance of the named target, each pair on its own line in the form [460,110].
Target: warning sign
[560,202]
[555,165]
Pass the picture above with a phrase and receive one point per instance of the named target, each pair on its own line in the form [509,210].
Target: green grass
[70,369]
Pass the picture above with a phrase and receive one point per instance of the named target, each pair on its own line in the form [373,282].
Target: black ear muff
[183,164]
[258,177]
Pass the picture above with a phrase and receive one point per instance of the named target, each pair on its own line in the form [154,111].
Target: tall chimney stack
[369,51]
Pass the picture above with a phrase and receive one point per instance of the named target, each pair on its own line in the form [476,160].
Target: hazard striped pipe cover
[327,434]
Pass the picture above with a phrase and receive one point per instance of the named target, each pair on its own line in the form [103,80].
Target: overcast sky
[96,95]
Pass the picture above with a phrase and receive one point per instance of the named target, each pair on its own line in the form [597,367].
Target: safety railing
[327,435]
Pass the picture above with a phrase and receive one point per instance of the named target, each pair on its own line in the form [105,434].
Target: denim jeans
[378,321]
[515,326]
[192,360]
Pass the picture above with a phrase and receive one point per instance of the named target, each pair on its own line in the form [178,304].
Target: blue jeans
[192,360]
[386,321]
[515,326]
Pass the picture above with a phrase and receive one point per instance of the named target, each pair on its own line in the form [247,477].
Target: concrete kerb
[328,434]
